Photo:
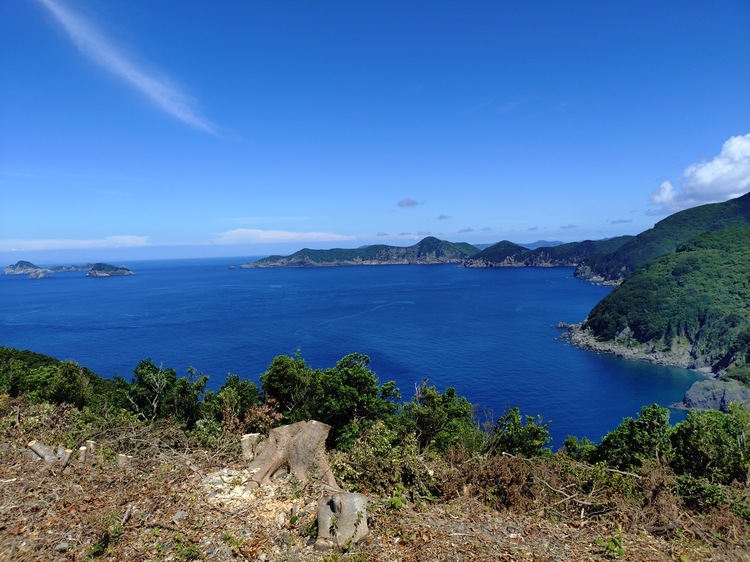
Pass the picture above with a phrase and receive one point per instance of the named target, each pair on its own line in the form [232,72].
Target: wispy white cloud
[103,52]
[257,236]
[724,177]
[121,241]
[569,226]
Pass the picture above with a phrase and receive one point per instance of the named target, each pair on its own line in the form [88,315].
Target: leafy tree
[511,435]
[344,396]
[440,420]
[155,392]
[236,401]
[636,440]
[293,384]
[582,450]
[68,383]
[714,445]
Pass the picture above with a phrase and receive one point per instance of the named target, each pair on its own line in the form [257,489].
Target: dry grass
[179,502]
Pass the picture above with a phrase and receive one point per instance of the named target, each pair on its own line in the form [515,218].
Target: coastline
[583,339]
[709,394]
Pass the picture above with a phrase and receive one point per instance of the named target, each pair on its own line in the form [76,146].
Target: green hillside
[508,254]
[693,303]
[429,250]
[664,237]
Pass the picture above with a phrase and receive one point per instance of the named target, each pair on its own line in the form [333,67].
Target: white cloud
[724,177]
[100,50]
[257,236]
[123,241]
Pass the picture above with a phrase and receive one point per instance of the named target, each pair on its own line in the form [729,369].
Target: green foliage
[233,405]
[45,378]
[714,445]
[346,396]
[440,421]
[636,440]
[427,249]
[570,254]
[695,300]
[667,235]
[612,547]
[382,460]
[511,435]
[582,450]
[156,393]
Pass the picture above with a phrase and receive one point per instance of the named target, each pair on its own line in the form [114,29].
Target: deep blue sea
[490,333]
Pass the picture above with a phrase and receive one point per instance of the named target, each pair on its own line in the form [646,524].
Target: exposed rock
[25,268]
[624,347]
[715,395]
[39,274]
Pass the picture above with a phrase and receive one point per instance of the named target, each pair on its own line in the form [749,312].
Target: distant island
[107,270]
[428,251]
[93,270]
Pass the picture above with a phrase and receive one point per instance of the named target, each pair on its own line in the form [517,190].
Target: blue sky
[147,129]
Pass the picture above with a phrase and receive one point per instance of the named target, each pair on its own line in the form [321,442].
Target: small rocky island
[107,270]
[33,271]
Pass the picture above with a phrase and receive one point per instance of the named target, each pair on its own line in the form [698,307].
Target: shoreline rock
[583,339]
[710,394]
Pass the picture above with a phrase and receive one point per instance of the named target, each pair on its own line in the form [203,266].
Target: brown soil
[177,502]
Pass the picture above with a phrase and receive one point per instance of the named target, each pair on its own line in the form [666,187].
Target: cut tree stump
[43,451]
[251,445]
[300,449]
[342,520]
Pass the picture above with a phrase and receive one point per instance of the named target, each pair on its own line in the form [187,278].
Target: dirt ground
[193,505]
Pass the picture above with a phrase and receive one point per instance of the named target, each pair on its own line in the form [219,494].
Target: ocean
[489,333]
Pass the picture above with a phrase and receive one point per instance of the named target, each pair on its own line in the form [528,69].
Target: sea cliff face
[622,346]
[27,268]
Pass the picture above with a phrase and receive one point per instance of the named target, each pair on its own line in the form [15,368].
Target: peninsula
[428,251]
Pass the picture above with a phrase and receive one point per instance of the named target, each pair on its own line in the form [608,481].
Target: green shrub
[636,440]
[511,435]
[714,445]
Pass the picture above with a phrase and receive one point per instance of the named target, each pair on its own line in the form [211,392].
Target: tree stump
[299,448]
[251,445]
[342,520]
[43,451]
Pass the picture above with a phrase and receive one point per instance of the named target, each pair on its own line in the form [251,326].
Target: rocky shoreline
[710,394]
[580,337]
